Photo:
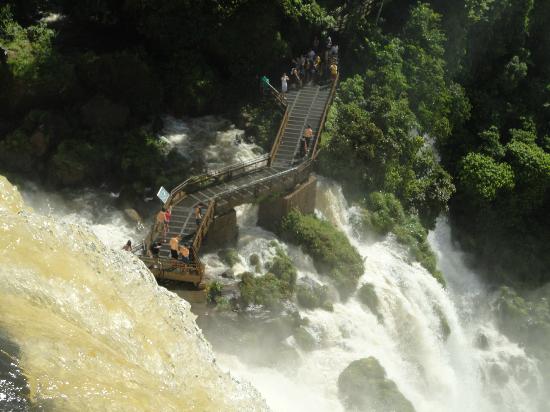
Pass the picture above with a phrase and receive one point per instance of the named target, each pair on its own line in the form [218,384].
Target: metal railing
[204,225]
[196,183]
[279,137]
[279,97]
[315,150]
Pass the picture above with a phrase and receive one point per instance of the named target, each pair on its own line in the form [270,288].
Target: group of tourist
[314,66]
[178,250]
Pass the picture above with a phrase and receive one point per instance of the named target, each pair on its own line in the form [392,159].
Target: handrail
[325,112]
[199,182]
[172,263]
[302,165]
[278,96]
[204,225]
[279,137]
[178,192]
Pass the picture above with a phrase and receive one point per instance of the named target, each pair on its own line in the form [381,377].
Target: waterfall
[92,329]
[435,373]
[85,324]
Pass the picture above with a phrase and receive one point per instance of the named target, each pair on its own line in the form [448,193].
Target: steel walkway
[219,191]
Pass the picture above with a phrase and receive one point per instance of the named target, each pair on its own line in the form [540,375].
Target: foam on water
[94,330]
[210,138]
[434,373]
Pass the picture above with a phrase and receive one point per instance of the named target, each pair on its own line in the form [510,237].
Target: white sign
[163,194]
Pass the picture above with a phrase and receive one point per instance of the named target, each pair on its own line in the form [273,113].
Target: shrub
[267,290]
[229,256]
[384,214]
[332,254]
[283,268]
[313,297]
[214,292]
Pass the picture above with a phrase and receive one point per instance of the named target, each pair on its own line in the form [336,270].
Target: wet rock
[229,256]
[363,386]
[133,215]
[482,342]
[444,327]
[228,274]
[304,339]
[254,259]
[367,295]
[311,295]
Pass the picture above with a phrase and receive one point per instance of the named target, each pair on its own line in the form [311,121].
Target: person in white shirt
[284,83]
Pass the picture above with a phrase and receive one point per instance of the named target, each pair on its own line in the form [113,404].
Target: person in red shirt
[167,217]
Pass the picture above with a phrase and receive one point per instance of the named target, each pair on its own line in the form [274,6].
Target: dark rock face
[363,386]
[222,233]
[101,113]
[272,210]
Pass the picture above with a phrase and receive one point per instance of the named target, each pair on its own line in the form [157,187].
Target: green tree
[483,178]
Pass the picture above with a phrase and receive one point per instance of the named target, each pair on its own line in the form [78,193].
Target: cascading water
[87,326]
[91,329]
[435,372]
[212,139]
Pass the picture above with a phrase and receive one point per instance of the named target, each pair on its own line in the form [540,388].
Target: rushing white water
[92,328]
[433,373]
[212,139]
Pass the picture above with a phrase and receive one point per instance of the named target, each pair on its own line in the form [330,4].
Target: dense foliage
[383,213]
[442,104]
[273,288]
[84,83]
[330,249]
[374,138]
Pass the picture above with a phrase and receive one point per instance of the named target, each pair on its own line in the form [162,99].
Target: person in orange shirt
[174,246]
[159,220]
[184,252]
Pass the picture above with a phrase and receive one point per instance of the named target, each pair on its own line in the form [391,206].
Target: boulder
[304,339]
[367,295]
[133,215]
[363,386]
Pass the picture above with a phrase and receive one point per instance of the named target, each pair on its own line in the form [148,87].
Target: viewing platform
[218,191]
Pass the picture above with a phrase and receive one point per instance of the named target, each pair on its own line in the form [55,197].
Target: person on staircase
[184,252]
[303,147]
[264,85]
[198,215]
[159,221]
[174,246]
[318,68]
[284,84]
[333,71]
[295,76]
[307,70]
[155,248]
[167,218]
[308,136]
[128,246]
